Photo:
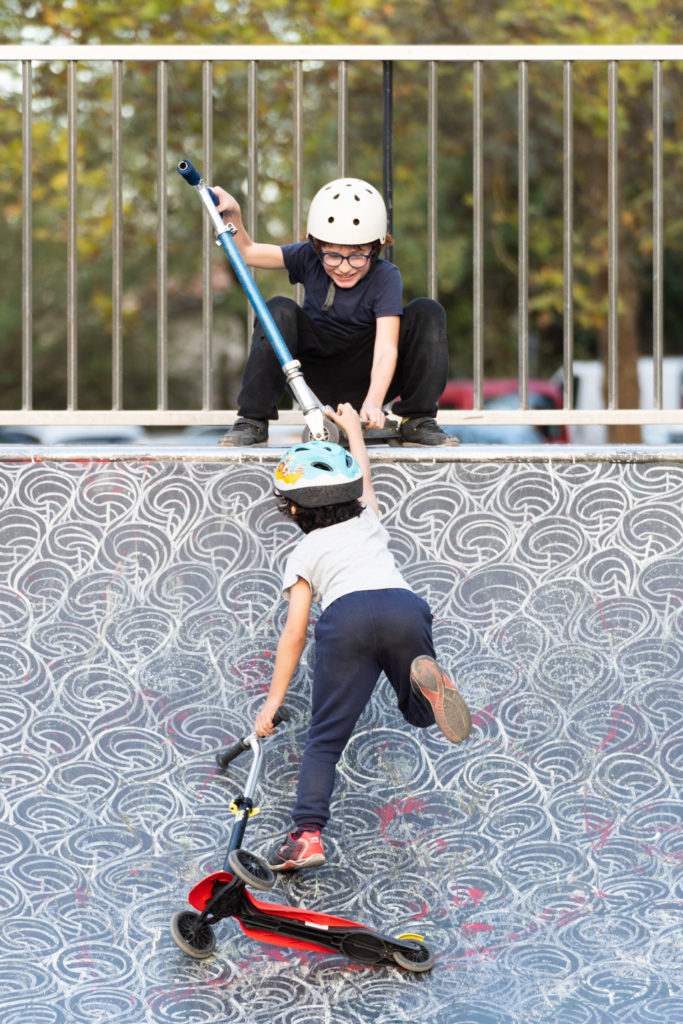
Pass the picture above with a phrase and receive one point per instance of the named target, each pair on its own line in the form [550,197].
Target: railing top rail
[193,52]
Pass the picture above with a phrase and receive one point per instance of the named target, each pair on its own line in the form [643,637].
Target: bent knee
[426,309]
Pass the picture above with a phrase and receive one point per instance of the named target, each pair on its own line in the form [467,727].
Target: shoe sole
[316,860]
[450,711]
[236,444]
[452,443]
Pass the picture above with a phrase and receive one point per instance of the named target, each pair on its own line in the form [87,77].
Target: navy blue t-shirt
[378,293]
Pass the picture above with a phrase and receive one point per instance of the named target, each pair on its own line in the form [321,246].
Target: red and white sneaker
[451,714]
[301,849]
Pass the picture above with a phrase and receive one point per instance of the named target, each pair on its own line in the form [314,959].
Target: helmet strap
[329,298]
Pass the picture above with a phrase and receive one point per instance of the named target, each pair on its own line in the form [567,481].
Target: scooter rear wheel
[251,869]
[418,958]
[198,944]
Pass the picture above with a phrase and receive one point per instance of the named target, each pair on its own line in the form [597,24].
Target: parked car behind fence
[503,393]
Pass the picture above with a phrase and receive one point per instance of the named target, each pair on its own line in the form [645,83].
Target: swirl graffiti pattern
[139,612]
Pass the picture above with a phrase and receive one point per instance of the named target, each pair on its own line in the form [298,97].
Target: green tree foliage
[338,21]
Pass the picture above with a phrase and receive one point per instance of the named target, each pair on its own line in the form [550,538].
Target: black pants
[338,370]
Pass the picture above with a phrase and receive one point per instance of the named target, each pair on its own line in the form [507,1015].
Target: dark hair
[308,519]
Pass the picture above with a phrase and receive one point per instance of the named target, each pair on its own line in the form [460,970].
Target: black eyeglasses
[357,260]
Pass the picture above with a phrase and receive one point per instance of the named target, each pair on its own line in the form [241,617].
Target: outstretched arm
[289,650]
[348,419]
[254,254]
[383,366]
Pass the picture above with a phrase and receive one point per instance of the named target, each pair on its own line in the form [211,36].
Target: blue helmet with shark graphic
[317,473]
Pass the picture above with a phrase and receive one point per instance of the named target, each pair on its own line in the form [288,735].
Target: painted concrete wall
[139,612]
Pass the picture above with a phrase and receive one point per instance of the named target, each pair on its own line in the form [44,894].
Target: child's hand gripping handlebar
[230,753]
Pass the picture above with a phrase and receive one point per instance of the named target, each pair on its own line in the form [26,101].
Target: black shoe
[450,711]
[425,431]
[245,432]
[301,849]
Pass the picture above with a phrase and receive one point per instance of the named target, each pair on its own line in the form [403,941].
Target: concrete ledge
[378,454]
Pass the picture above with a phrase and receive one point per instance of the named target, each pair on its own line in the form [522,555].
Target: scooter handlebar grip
[281,715]
[229,754]
[191,175]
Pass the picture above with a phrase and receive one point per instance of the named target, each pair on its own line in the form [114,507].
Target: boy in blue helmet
[371,622]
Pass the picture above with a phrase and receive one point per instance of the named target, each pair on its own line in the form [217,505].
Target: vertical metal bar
[523,234]
[657,233]
[252,162]
[613,236]
[72,238]
[207,240]
[27,237]
[432,181]
[388,149]
[116,240]
[478,234]
[343,118]
[162,236]
[568,233]
[252,145]
[298,161]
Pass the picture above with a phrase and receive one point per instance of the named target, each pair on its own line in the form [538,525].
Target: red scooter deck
[204,890]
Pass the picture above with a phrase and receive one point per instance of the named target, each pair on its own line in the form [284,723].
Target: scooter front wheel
[196,942]
[332,433]
[417,958]
[251,869]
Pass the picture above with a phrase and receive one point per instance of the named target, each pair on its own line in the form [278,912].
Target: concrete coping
[379,454]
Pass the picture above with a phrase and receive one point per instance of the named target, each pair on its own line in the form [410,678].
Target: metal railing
[433,58]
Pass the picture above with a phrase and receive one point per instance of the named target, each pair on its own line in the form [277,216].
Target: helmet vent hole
[322,465]
[356,221]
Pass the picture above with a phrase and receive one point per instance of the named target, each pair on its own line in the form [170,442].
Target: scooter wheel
[418,958]
[251,869]
[198,944]
[332,433]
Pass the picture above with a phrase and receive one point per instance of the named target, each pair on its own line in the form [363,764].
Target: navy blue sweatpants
[356,638]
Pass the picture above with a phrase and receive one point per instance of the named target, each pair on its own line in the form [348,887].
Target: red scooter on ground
[224,894]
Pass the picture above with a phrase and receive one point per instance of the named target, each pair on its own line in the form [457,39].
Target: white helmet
[348,211]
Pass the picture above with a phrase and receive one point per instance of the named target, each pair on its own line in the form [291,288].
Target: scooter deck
[263,921]
[280,925]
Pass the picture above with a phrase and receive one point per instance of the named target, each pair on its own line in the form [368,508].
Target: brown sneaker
[245,432]
[450,711]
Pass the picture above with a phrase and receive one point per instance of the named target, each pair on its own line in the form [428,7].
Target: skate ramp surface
[541,859]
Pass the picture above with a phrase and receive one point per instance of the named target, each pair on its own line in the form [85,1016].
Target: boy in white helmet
[355,340]
[371,622]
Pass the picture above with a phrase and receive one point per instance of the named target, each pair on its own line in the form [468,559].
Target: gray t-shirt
[344,558]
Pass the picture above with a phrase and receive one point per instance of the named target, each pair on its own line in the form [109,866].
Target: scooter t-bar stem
[309,404]
[210,201]
[244,804]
